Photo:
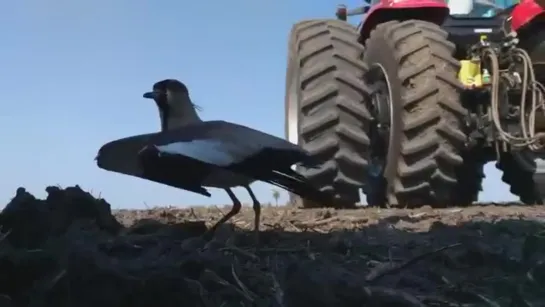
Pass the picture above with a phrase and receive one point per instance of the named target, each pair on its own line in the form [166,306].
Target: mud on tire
[426,138]
[324,110]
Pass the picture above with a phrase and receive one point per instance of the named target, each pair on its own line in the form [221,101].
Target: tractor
[408,106]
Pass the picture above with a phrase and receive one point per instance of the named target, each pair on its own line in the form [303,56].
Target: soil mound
[71,250]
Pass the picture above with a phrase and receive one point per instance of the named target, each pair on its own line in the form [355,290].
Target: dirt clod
[72,250]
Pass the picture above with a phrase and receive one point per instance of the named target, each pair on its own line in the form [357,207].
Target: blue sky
[73,74]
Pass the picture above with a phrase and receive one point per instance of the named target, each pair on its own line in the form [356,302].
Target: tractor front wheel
[325,113]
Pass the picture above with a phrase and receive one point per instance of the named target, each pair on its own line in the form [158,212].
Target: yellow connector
[470,73]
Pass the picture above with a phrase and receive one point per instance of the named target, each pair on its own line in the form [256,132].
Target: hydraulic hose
[530,138]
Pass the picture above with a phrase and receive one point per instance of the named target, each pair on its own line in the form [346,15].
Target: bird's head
[169,92]
[172,99]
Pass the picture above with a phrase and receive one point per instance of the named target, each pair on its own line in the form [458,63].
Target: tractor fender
[435,11]
[525,12]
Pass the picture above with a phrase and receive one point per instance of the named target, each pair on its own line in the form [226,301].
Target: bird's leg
[257,211]
[237,205]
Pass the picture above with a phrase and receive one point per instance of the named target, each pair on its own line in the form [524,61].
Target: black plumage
[255,154]
[192,154]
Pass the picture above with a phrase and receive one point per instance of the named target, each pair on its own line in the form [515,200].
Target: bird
[193,154]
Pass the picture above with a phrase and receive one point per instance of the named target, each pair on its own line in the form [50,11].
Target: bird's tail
[273,165]
[295,183]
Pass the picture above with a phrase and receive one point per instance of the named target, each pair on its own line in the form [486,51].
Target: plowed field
[71,250]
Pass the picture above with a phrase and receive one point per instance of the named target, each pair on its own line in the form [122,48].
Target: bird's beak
[151,95]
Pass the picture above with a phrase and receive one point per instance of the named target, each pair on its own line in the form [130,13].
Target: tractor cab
[479,8]
[470,20]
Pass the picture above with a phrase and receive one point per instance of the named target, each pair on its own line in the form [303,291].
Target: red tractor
[410,105]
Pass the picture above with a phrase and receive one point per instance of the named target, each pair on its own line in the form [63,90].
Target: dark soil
[69,250]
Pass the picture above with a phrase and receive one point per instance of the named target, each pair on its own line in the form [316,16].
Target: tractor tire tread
[329,62]
[433,140]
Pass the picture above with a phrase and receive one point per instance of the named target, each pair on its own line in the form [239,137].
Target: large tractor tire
[524,173]
[470,179]
[417,140]
[324,105]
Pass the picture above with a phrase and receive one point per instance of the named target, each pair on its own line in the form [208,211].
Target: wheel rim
[292,119]
[380,128]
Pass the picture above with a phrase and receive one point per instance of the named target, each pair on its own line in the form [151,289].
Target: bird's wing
[269,159]
[174,170]
[245,143]
[209,151]
[217,143]
[208,142]
[253,153]
[124,156]
[242,150]
[121,155]
[176,184]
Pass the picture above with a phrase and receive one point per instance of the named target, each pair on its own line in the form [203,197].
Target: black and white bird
[192,154]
